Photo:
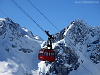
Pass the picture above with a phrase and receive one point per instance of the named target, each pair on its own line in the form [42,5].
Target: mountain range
[77,48]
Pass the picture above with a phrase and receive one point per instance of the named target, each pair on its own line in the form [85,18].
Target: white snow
[87,66]
[19,50]
[8,67]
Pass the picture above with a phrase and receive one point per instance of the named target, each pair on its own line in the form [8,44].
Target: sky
[60,12]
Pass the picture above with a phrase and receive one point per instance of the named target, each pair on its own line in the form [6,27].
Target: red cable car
[47,54]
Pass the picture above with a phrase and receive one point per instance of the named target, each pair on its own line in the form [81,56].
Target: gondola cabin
[46,55]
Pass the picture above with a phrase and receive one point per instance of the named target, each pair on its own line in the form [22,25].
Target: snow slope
[77,51]
[18,49]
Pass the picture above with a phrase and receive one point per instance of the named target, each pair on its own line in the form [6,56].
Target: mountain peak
[19,48]
[77,50]
[76,47]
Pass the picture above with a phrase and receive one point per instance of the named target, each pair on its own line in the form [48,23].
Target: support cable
[85,55]
[40,26]
[42,14]
[87,69]
[3,13]
[27,15]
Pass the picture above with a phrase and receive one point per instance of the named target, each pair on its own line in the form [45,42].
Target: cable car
[47,54]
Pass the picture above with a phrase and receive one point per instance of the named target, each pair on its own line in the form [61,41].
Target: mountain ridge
[19,49]
[77,50]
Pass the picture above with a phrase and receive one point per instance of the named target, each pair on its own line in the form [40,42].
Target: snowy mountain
[18,49]
[77,50]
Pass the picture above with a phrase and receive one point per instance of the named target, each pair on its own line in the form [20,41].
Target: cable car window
[53,54]
[45,53]
[40,54]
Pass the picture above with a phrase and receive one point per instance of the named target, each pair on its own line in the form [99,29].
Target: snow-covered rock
[18,49]
[77,50]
